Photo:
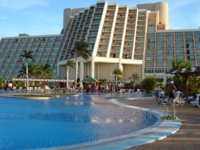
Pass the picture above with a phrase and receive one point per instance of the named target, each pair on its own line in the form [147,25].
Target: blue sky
[44,17]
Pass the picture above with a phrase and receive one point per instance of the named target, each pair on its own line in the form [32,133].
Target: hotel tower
[134,39]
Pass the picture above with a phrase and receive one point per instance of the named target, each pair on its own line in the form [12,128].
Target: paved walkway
[187,138]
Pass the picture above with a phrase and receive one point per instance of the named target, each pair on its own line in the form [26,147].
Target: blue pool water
[65,121]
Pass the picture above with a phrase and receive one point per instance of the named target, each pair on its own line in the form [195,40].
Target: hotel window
[141,23]
[150,52]
[189,52]
[107,35]
[179,45]
[160,40]
[159,58]
[159,52]
[119,31]
[51,39]
[115,55]
[118,36]
[140,46]
[121,20]
[149,71]
[198,57]
[138,57]
[169,51]
[189,40]
[179,40]
[179,34]
[198,51]
[129,44]
[132,12]
[130,32]
[131,22]
[138,51]
[92,39]
[151,35]
[95,27]
[98,16]
[121,25]
[109,23]
[110,18]
[179,51]
[169,46]
[90,46]
[159,71]
[169,58]
[103,54]
[188,45]
[141,29]
[169,34]
[160,35]
[105,41]
[116,49]
[99,10]
[131,27]
[179,58]
[197,34]
[197,45]
[159,46]
[141,18]
[140,34]
[142,40]
[152,25]
[105,47]
[94,33]
[151,46]
[188,34]
[151,30]
[197,40]
[169,40]
[129,38]
[122,15]
[96,21]
[117,43]
[108,29]
[128,50]
[190,58]
[142,13]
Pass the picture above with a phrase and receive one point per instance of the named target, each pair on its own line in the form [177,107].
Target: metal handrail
[153,106]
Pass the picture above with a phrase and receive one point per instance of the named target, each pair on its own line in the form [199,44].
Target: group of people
[159,93]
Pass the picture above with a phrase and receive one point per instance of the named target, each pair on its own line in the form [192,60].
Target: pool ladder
[153,106]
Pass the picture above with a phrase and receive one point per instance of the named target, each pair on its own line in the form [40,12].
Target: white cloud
[21,4]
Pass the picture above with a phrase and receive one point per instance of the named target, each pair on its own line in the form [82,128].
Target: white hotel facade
[134,39]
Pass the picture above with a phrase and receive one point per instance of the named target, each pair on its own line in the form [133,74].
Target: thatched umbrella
[186,72]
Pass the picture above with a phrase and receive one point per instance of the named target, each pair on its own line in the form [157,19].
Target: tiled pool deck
[186,138]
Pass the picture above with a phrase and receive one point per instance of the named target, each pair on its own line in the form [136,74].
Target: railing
[153,106]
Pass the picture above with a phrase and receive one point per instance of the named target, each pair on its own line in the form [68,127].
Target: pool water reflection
[65,121]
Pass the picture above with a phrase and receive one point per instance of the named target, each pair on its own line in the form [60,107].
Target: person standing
[156,91]
[171,89]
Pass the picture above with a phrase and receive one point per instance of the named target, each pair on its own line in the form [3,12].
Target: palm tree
[46,71]
[176,65]
[2,82]
[27,55]
[70,63]
[118,73]
[134,77]
[80,50]
[35,71]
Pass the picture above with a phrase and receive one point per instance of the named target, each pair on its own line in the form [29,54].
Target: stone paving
[187,138]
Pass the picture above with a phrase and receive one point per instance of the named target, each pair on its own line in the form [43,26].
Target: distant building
[134,39]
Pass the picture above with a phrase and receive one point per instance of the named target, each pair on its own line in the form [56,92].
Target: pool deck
[186,138]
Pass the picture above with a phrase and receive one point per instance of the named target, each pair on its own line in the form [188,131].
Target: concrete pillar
[92,67]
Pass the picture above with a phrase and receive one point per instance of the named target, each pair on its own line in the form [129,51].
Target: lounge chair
[196,102]
[178,98]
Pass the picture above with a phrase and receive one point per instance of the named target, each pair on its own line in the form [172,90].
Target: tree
[80,50]
[149,84]
[70,63]
[134,77]
[2,82]
[117,72]
[27,55]
[46,71]
[176,65]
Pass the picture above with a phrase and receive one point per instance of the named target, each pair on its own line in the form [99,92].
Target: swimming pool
[65,121]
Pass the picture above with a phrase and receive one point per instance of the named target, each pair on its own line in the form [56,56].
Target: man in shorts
[171,89]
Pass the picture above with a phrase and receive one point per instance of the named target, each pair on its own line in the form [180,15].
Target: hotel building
[134,39]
